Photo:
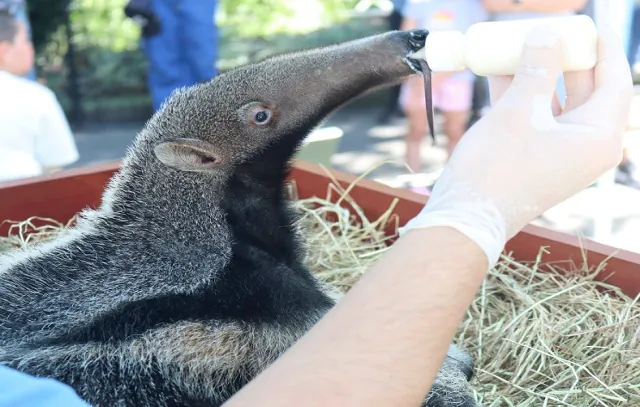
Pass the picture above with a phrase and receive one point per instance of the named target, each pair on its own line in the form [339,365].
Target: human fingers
[497,86]
[556,107]
[610,102]
[579,86]
[612,67]
[540,64]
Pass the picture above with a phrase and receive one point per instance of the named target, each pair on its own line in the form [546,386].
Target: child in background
[18,9]
[35,137]
[452,92]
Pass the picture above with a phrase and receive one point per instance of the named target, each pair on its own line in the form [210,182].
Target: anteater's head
[252,119]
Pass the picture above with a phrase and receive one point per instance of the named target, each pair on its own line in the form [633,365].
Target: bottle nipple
[443,51]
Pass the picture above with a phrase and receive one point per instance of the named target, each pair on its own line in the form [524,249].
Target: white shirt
[34,132]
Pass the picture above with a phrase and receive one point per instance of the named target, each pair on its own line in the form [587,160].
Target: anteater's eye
[261,116]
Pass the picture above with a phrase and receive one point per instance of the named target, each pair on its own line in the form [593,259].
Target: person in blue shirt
[180,39]
[18,389]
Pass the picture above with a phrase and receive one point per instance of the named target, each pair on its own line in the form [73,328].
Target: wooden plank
[58,196]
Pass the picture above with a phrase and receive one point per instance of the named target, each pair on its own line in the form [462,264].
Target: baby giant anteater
[188,280]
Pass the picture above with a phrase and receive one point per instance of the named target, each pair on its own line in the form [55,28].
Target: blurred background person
[452,92]
[180,42]
[35,137]
[621,15]
[18,9]
[634,38]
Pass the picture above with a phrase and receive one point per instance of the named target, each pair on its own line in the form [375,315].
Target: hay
[34,230]
[543,334]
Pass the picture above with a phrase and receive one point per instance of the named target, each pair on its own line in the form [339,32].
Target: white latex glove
[525,156]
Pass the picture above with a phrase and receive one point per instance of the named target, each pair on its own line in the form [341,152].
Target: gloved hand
[526,155]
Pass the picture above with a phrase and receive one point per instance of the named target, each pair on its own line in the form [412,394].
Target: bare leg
[454,127]
[417,128]
[413,105]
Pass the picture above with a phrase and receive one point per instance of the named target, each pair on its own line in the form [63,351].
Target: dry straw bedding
[543,334]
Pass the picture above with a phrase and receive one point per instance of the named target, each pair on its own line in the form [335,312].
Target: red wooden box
[62,195]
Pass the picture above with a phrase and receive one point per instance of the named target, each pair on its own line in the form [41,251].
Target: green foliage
[261,18]
[107,52]
[102,23]
[236,52]
[107,44]
[45,17]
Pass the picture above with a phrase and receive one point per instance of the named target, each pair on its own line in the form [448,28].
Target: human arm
[542,6]
[384,342]
[384,324]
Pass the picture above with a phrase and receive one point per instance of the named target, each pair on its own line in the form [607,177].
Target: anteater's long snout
[331,76]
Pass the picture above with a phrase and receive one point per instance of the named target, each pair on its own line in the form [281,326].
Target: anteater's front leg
[451,387]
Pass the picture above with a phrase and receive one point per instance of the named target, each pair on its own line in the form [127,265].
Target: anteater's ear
[188,154]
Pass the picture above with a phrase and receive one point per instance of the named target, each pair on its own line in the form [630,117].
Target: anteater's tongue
[428,96]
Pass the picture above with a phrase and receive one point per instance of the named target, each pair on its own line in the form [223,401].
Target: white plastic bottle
[494,48]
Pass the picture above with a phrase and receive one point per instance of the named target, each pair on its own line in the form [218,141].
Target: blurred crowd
[180,42]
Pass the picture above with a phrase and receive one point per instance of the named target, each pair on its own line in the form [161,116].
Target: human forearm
[414,298]
[544,6]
